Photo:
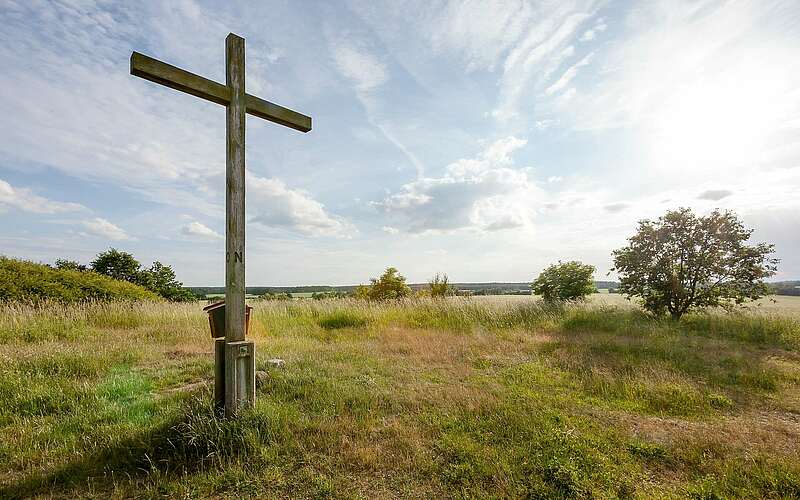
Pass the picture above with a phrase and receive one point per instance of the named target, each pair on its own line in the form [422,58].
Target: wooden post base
[234,376]
[219,376]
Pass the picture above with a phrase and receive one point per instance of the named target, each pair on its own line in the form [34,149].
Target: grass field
[484,397]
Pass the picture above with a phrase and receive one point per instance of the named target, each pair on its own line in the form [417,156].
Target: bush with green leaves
[158,278]
[30,282]
[328,295]
[683,261]
[69,265]
[390,285]
[571,280]
[275,296]
[439,286]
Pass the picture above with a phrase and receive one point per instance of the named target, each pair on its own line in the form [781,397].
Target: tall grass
[52,321]
[414,398]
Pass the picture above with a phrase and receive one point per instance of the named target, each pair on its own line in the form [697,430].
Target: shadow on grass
[186,442]
[704,364]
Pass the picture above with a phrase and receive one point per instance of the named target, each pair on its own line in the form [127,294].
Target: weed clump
[342,319]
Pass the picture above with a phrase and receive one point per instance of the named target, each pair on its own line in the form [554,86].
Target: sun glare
[717,124]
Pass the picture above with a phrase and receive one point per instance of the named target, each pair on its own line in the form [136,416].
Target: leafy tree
[391,285]
[162,280]
[439,286]
[565,281]
[69,265]
[682,261]
[118,265]
[159,278]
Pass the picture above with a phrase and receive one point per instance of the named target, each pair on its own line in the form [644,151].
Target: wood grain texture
[235,190]
[277,114]
[240,376]
[175,78]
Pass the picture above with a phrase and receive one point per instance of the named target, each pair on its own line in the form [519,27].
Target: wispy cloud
[539,52]
[568,75]
[590,34]
[359,66]
[480,32]
[24,199]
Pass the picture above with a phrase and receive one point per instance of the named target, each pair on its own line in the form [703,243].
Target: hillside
[30,282]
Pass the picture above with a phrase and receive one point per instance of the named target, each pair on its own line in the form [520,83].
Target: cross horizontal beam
[165,74]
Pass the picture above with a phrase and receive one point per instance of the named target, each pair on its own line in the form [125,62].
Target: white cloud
[482,193]
[359,66]
[24,199]
[272,204]
[198,229]
[568,75]
[104,229]
[590,34]
[390,230]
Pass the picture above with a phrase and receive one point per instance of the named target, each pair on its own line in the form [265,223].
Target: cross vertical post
[234,357]
[238,383]
[234,192]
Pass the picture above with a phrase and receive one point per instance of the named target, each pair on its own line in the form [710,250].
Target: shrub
[565,281]
[72,265]
[30,282]
[391,285]
[275,296]
[439,286]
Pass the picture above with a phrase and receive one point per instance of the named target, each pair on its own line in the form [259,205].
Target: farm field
[779,304]
[482,397]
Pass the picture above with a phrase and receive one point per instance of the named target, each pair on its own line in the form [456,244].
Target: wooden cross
[235,358]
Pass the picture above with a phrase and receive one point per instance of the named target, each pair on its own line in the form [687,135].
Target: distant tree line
[785,288]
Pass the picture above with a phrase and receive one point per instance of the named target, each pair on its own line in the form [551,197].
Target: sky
[482,139]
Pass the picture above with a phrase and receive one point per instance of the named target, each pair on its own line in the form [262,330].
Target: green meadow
[466,398]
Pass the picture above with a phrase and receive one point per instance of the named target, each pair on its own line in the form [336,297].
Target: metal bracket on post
[240,376]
